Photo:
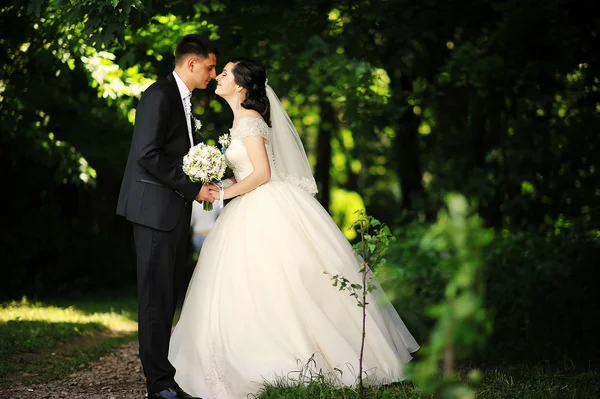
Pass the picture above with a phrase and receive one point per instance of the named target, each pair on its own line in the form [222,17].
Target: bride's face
[226,85]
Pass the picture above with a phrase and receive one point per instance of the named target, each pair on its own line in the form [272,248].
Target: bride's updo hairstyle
[251,75]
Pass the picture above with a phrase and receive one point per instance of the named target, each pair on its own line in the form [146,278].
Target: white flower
[204,164]
[225,141]
[197,124]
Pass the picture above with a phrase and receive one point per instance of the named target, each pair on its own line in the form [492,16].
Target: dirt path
[115,376]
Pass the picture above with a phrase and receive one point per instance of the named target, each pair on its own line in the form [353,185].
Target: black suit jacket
[155,191]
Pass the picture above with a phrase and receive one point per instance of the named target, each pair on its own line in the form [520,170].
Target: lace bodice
[236,154]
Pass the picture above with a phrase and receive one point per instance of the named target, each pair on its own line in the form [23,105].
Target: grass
[40,342]
[43,368]
[46,341]
[541,382]
[326,391]
[537,382]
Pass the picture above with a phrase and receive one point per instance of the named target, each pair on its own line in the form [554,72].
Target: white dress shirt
[202,221]
[186,99]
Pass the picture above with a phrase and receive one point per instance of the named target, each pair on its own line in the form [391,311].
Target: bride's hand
[216,195]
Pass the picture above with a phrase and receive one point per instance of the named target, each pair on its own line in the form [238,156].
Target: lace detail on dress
[304,183]
[219,388]
[231,163]
[238,160]
[251,126]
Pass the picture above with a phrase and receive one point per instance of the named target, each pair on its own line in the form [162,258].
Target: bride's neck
[237,109]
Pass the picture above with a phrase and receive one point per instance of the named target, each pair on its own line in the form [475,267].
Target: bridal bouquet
[204,164]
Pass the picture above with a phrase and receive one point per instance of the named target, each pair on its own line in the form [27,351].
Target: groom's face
[203,70]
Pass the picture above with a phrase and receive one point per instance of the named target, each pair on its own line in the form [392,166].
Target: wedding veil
[289,158]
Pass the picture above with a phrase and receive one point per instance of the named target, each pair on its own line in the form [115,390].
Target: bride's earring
[237,99]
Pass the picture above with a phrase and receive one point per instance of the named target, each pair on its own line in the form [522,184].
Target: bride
[259,306]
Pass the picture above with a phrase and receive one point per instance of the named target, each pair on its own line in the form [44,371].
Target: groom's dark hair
[194,44]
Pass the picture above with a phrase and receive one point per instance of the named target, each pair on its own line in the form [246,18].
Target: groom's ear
[190,63]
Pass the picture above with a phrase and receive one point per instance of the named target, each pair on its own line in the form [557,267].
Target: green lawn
[325,391]
[541,382]
[538,382]
[49,340]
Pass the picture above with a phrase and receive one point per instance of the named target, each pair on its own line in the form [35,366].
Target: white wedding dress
[259,305]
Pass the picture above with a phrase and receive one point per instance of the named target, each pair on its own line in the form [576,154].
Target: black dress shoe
[173,393]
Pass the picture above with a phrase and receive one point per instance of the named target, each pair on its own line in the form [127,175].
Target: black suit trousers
[161,259]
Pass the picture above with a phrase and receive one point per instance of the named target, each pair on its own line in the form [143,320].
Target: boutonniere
[197,124]
[224,140]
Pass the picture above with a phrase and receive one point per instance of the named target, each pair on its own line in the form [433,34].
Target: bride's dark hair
[251,75]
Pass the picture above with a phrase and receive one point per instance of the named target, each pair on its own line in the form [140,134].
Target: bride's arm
[228,182]
[255,146]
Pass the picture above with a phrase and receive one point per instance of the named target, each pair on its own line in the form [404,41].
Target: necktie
[187,105]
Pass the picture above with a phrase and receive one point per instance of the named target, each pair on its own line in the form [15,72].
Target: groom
[156,196]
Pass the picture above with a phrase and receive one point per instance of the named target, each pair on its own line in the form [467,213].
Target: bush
[539,289]
[60,235]
[412,278]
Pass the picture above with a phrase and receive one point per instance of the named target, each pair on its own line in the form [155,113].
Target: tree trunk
[406,147]
[409,162]
[323,166]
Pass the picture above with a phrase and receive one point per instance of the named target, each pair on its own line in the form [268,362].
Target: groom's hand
[205,193]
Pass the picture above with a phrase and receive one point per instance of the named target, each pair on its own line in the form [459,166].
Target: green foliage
[412,279]
[474,102]
[375,239]
[99,22]
[539,289]
[415,106]
[374,243]
[344,205]
[462,324]
[57,159]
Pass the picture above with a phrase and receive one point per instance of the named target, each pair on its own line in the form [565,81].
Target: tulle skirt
[260,308]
